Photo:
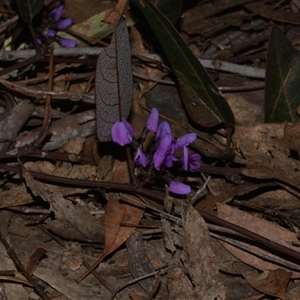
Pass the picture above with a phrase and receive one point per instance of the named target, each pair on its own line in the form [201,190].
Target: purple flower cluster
[165,146]
[56,22]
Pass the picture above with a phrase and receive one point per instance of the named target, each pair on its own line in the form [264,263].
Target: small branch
[42,94]
[207,63]
[23,270]
[47,115]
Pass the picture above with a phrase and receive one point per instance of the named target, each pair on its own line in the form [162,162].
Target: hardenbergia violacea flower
[163,153]
[48,31]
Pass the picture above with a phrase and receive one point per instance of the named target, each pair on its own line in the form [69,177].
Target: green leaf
[29,8]
[92,28]
[282,80]
[202,100]
[170,8]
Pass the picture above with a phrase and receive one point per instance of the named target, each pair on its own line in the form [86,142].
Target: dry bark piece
[71,221]
[197,258]
[139,262]
[82,124]
[13,122]
[72,256]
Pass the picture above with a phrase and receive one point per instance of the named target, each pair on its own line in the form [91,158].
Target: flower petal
[67,43]
[47,32]
[64,24]
[164,145]
[194,161]
[129,127]
[141,158]
[152,121]
[120,134]
[169,160]
[185,159]
[163,128]
[57,12]
[185,140]
[179,188]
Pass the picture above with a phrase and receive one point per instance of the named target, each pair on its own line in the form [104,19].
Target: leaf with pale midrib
[282,93]
[29,9]
[202,100]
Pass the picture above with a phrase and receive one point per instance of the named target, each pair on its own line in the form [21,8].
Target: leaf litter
[146,243]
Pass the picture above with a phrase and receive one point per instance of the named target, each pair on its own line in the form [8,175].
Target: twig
[144,205]
[23,270]
[47,115]
[9,22]
[195,197]
[256,253]
[272,246]
[207,63]
[42,94]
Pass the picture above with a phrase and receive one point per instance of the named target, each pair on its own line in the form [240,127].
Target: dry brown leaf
[114,15]
[262,227]
[273,282]
[71,221]
[117,213]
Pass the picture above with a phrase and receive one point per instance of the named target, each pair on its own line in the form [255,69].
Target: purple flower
[47,32]
[67,43]
[185,140]
[55,22]
[141,158]
[57,12]
[164,145]
[163,129]
[179,188]
[194,161]
[152,121]
[169,160]
[64,24]
[122,132]
[190,160]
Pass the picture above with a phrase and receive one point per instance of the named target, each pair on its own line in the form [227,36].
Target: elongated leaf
[113,82]
[202,100]
[29,8]
[282,80]
[170,8]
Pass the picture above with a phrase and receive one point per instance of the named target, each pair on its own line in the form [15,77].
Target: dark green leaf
[170,8]
[282,80]
[29,8]
[202,100]
[6,2]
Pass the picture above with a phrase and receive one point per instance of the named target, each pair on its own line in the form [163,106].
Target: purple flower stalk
[165,146]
